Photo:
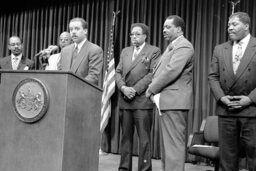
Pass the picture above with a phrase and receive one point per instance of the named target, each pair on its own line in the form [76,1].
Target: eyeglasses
[135,34]
[14,44]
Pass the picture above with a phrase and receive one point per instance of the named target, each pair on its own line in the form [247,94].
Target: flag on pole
[108,86]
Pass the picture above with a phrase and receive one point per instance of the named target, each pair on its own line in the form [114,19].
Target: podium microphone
[47,51]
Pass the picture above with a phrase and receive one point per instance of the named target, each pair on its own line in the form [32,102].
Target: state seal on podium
[30,100]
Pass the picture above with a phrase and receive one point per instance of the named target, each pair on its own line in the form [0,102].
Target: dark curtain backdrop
[40,22]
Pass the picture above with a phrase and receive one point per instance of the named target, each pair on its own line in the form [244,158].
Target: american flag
[108,88]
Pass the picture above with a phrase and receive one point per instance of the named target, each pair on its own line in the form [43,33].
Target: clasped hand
[236,102]
[129,92]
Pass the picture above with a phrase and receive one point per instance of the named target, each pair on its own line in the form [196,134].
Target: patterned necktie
[74,55]
[238,57]
[135,54]
[15,63]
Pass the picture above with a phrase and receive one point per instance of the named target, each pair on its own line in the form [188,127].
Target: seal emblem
[30,100]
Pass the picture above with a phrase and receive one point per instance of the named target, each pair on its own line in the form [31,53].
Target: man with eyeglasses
[16,61]
[133,75]
[51,62]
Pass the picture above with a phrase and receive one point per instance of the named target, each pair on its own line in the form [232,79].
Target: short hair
[84,23]
[177,21]
[144,27]
[16,37]
[242,16]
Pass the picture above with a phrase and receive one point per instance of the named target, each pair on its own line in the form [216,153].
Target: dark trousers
[237,136]
[142,121]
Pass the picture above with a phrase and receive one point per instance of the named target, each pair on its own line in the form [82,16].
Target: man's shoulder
[152,47]
[93,45]
[6,58]
[223,45]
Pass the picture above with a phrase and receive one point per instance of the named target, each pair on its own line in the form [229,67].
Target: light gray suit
[173,80]
[88,63]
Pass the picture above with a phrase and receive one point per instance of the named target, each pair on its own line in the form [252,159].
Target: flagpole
[108,83]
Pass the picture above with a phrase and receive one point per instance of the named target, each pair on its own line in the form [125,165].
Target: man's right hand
[230,101]
[129,92]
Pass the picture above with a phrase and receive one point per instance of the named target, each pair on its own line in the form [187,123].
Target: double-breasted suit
[6,63]
[236,126]
[173,81]
[88,63]
[138,111]
[223,81]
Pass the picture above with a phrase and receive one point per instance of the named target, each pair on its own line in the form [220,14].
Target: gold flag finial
[234,5]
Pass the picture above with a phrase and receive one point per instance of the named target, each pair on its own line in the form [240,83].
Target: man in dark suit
[232,80]
[83,58]
[171,90]
[133,75]
[16,61]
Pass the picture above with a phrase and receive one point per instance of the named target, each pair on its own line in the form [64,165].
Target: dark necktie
[74,55]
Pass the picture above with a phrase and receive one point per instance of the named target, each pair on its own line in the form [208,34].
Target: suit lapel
[228,59]
[247,57]
[138,59]
[127,60]
[80,56]
[22,63]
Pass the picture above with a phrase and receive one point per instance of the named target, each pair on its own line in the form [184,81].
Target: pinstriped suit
[235,126]
[138,112]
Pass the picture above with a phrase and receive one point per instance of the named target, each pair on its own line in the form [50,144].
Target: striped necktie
[238,57]
[135,53]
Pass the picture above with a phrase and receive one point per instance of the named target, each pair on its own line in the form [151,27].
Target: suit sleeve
[95,66]
[172,70]
[214,76]
[119,72]
[143,83]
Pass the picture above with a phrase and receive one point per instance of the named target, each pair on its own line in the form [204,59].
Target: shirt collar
[175,40]
[141,46]
[245,40]
[79,45]
[13,56]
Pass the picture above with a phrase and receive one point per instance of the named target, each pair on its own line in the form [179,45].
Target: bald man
[53,60]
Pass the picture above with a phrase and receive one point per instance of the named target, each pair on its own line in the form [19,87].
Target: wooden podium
[50,121]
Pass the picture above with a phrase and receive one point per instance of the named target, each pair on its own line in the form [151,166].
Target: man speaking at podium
[83,58]
[16,61]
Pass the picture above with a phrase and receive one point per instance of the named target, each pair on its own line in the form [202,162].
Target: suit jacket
[173,76]
[88,63]
[6,63]
[136,74]
[223,81]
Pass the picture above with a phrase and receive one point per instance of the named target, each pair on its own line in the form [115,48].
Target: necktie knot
[136,52]
[238,56]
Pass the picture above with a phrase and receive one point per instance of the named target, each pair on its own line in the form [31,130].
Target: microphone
[47,51]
